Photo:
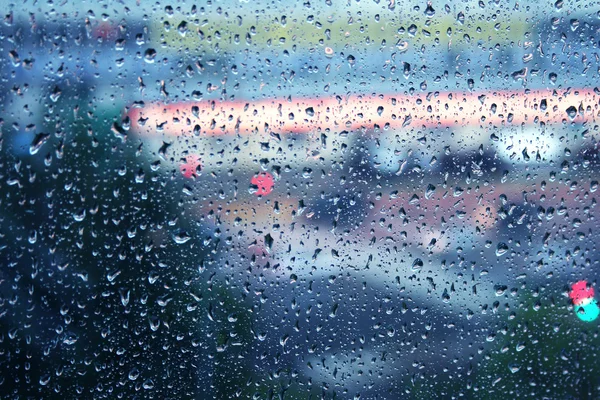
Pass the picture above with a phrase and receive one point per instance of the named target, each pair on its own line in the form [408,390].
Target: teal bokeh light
[588,310]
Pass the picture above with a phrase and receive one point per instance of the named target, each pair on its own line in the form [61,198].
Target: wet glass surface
[273,200]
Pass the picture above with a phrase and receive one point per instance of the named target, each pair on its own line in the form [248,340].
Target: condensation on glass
[299,200]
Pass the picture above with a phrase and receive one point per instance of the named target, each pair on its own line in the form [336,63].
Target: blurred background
[389,255]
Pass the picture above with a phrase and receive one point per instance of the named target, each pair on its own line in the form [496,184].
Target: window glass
[260,199]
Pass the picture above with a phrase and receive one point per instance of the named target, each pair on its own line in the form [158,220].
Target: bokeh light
[586,307]
[588,310]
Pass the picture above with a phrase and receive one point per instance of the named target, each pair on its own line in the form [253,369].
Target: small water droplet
[149,56]
[572,112]
[38,142]
[45,379]
[417,265]
[134,374]
[501,249]
[181,237]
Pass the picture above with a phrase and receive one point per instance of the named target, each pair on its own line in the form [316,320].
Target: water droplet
[500,289]
[149,56]
[134,374]
[154,323]
[417,265]
[70,338]
[45,379]
[148,384]
[429,11]
[181,237]
[38,142]
[501,249]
